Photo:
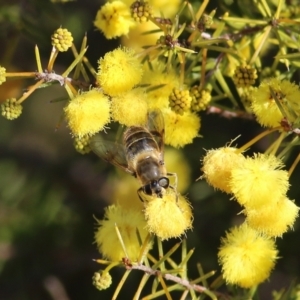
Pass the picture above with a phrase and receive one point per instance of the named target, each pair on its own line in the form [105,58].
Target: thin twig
[50,77]
[182,282]
[229,114]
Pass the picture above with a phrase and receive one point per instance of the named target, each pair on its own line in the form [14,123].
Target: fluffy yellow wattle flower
[273,220]
[246,256]
[168,217]
[114,19]
[127,221]
[130,108]
[119,71]
[258,181]
[218,164]
[88,113]
[161,83]
[264,106]
[180,130]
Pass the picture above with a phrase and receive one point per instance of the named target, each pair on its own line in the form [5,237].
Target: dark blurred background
[49,193]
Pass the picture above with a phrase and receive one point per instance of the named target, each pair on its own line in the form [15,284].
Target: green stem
[30,91]
[74,63]
[53,56]
[38,59]
[262,42]
[121,240]
[70,90]
[120,285]
[110,266]
[257,138]
[294,142]
[220,78]
[266,8]
[203,68]
[141,286]
[279,7]
[277,144]
[20,74]
[293,166]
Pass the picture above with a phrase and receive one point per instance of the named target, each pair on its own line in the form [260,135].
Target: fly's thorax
[148,167]
[138,139]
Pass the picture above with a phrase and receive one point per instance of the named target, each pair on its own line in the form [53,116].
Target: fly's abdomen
[137,140]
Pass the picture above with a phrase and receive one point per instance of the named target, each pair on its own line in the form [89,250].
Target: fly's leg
[174,187]
[139,192]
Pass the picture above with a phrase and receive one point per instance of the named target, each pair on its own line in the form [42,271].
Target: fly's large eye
[163,182]
[147,189]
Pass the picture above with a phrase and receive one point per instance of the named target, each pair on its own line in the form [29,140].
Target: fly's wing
[156,127]
[111,152]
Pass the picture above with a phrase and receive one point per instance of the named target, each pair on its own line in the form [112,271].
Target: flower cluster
[244,76]
[180,129]
[11,109]
[246,256]
[102,280]
[62,39]
[181,60]
[166,217]
[141,11]
[114,19]
[200,98]
[275,99]
[119,71]
[260,185]
[128,221]
[88,113]
[180,101]
[82,144]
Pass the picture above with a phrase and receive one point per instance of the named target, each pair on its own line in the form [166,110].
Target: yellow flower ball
[218,164]
[102,280]
[246,257]
[168,217]
[265,107]
[114,19]
[62,39]
[127,221]
[130,108]
[180,130]
[258,181]
[88,113]
[119,71]
[161,83]
[273,220]
[11,109]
